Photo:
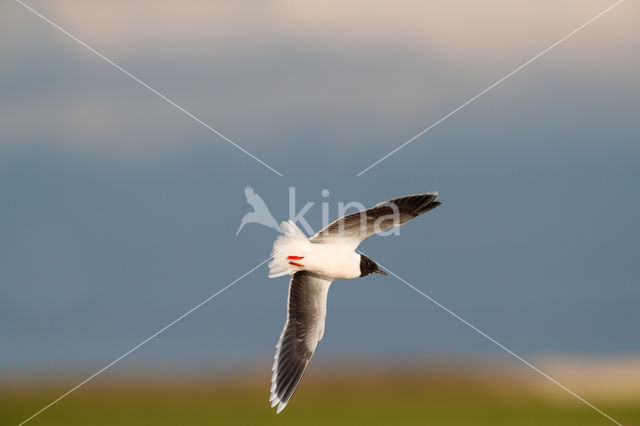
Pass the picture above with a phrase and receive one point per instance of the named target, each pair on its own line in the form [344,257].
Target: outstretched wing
[353,228]
[307,308]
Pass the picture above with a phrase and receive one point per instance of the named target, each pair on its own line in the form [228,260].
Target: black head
[368,267]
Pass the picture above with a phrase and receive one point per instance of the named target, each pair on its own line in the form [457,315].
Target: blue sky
[119,212]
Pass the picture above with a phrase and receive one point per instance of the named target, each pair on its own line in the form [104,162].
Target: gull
[313,264]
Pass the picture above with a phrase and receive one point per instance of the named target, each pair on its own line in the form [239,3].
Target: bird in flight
[313,264]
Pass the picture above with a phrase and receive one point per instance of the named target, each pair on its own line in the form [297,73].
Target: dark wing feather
[355,227]
[303,329]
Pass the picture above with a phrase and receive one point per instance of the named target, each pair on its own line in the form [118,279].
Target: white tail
[288,250]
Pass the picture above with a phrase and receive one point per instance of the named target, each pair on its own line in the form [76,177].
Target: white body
[292,249]
[331,260]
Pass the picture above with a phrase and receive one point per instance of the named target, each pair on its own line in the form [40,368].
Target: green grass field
[366,400]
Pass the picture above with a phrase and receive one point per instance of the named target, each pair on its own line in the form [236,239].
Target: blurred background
[119,212]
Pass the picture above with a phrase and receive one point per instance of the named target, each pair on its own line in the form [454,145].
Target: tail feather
[295,244]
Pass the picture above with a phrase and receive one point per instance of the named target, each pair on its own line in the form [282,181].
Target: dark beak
[378,271]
